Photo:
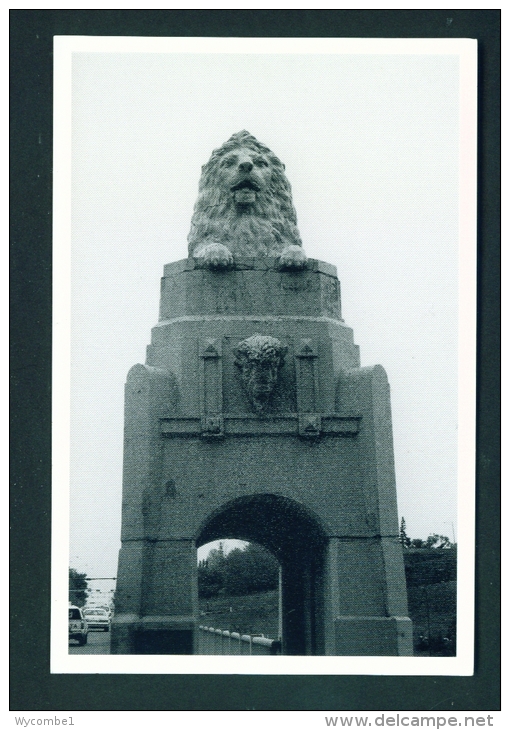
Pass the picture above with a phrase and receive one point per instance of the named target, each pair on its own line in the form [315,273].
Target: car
[97,618]
[102,606]
[78,626]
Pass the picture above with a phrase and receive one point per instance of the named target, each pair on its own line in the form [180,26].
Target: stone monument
[252,419]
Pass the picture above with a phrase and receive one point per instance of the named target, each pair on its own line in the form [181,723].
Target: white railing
[216,641]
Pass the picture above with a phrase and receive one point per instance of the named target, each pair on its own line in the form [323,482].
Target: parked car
[102,606]
[78,626]
[105,608]
[97,618]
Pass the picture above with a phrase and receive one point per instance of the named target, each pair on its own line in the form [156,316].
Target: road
[98,642]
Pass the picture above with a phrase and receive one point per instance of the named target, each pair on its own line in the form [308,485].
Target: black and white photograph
[264,356]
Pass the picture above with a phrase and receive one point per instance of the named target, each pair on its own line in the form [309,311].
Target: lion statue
[259,359]
[244,208]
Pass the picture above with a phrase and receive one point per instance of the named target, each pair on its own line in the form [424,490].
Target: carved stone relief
[259,359]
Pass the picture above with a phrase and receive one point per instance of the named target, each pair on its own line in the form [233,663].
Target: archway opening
[297,541]
[238,588]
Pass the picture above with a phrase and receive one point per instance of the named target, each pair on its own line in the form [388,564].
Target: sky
[371,148]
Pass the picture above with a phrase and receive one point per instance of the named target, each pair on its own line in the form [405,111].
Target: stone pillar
[307,471]
[366,616]
[366,574]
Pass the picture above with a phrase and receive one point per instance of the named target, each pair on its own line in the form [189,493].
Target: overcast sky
[371,147]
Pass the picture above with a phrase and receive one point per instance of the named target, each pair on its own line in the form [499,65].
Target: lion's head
[244,201]
[259,359]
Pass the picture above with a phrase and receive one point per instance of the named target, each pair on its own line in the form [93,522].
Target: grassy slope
[432,609]
[253,614]
[432,592]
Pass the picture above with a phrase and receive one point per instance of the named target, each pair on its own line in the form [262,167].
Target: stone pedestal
[311,478]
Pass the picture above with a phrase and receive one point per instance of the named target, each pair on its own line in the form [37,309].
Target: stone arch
[298,540]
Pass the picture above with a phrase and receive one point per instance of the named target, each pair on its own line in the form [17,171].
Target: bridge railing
[216,641]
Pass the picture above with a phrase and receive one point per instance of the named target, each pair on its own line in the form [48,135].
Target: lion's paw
[292,258]
[215,256]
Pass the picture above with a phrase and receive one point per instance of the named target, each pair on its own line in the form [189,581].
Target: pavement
[98,642]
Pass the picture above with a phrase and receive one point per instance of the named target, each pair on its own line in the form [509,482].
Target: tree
[216,558]
[77,587]
[250,570]
[438,541]
[403,539]
[241,571]
[210,580]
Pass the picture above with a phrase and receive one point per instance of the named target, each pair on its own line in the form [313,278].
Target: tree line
[433,541]
[251,569]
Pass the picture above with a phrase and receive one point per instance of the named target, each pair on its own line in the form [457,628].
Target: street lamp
[453,530]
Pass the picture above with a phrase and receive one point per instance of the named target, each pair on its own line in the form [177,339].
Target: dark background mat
[32,687]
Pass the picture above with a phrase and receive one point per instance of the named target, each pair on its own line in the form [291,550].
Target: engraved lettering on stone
[330,298]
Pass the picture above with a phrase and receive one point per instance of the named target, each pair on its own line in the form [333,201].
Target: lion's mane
[271,226]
